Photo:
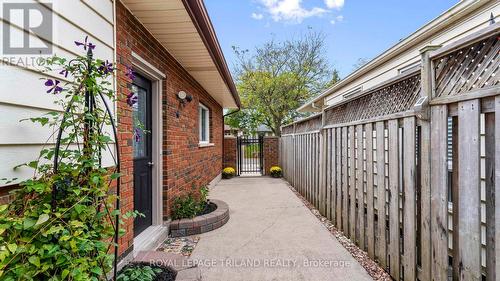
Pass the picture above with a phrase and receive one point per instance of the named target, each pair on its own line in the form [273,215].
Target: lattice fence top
[287,130]
[397,97]
[308,125]
[473,67]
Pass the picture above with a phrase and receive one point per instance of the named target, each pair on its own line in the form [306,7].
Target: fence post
[322,188]
[238,156]
[271,153]
[493,254]
[230,156]
[429,237]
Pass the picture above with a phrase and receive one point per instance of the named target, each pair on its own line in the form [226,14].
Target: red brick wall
[230,152]
[186,166]
[271,153]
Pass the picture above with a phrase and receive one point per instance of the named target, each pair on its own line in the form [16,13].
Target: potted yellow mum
[228,173]
[276,172]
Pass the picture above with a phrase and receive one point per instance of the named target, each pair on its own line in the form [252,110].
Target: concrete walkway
[271,235]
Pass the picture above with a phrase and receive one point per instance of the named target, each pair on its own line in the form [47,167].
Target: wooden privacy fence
[410,170]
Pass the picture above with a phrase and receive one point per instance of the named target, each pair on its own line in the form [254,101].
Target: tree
[335,78]
[360,63]
[278,77]
[246,120]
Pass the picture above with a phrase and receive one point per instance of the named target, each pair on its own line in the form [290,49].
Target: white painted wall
[22,93]
[465,26]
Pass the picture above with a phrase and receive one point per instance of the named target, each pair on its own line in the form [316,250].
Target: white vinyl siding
[204,124]
[22,93]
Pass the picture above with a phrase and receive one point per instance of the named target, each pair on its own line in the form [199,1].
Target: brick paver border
[201,224]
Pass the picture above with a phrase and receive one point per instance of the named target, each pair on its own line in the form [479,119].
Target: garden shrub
[146,272]
[204,194]
[188,206]
[138,272]
[185,207]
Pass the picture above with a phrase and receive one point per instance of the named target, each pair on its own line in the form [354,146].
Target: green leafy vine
[60,224]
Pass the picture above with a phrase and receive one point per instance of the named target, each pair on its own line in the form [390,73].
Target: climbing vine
[60,224]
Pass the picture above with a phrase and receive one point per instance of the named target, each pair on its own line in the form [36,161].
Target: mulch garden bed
[209,207]
[373,269]
[214,215]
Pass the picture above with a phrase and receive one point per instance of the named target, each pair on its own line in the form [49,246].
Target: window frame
[202,107]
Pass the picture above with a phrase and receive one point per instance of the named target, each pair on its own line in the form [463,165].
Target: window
[204,123]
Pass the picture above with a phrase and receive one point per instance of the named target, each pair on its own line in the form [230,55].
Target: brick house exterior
[185,163]
[187,166]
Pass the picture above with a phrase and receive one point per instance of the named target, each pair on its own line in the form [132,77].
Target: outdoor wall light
[181,95]
[183,99]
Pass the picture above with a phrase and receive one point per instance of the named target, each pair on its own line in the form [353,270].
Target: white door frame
[150,72]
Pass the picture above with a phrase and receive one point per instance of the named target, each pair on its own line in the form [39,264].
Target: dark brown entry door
[142,144]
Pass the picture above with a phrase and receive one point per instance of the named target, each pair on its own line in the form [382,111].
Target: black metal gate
[250,155]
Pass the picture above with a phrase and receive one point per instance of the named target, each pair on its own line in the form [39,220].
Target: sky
[354,29]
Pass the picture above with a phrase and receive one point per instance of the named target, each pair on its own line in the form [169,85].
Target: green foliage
[138,272]
[278,78]
[203,194]
[189,206]
[185,207]
[69,241]
[247,120]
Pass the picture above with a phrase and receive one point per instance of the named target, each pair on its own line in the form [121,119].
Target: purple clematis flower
[54,86]
[131,99]
[106,67]
[64,72]
[85,44]
[130,73]
[137,135]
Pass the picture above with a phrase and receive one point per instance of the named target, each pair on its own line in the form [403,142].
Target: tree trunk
[277,128]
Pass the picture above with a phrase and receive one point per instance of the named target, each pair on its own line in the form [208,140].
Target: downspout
[230,113]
